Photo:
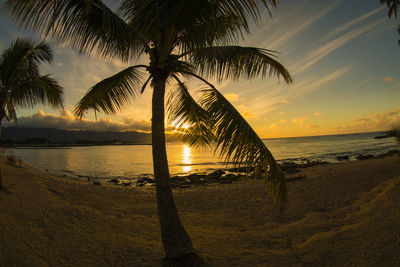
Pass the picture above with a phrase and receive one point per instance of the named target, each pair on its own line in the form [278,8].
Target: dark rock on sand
[146,180]
[341,158]
[364,157]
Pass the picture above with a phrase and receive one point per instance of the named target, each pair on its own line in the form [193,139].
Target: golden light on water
[186,158]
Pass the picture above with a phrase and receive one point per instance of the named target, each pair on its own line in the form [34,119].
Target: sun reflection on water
[186,158]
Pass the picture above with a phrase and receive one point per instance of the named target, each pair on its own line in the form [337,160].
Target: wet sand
[337,215]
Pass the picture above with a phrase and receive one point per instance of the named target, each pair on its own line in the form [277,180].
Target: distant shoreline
[61,146]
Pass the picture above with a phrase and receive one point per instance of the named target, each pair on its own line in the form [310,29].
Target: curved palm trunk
[175,240]
[1,140]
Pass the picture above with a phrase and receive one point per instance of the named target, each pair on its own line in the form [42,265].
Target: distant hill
[56,136]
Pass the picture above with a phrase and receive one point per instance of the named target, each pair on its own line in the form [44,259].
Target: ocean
[128,162]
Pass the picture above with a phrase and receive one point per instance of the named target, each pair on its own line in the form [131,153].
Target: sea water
[131,161]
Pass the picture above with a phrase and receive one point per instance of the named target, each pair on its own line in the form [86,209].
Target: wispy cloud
[389,79]
[353,22]
[333,45]
[302,24]
[309,84]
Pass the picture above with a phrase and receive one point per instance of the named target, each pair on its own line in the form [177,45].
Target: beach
[340,214]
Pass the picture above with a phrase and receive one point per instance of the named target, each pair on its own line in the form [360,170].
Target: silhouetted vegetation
[21,84]
[393,6]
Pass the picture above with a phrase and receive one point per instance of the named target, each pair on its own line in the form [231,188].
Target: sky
[343,55]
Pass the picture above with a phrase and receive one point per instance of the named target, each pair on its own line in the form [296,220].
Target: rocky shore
[231,175]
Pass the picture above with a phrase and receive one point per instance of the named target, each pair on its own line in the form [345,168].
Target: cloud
[284,101]
[303,23]
[374,122]
[353,22]
[389,79]
[282,121]
[298,121]
[318,114]
[67,121]
[333,45]
[273,126]
[232,97]
[309,85]
[312,126]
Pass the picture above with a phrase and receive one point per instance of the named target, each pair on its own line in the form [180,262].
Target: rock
[196,178]
[115,181]
[217,173]
[229,176]
[241,169]
[364,157]
[146,180]
[382,136]
[288,165]
[180,180]
[126,184]
[341,158]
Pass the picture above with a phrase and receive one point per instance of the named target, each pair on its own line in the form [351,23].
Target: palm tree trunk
[1,140]
[175,240]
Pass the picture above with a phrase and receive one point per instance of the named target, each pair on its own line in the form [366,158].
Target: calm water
[135,160]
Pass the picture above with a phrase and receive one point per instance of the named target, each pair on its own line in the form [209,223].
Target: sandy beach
[343,214]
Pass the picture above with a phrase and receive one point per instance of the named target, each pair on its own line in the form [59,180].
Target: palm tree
[393,6]
[21,84]
[182,40]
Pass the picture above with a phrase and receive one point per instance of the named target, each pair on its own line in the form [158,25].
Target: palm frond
[240,144]
[11,113]
[393,6]
[222,31]
[112,93]
[83,24]
[224,62]
[21,56]
[247,8]
[182,111]
[52,91]
[39,53]
[35,89]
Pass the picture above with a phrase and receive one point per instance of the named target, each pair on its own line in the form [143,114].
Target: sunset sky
[343,55]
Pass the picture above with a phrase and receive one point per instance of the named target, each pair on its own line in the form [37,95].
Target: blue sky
[343,55]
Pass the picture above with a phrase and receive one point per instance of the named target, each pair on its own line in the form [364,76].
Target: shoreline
[218,175]
[339,214]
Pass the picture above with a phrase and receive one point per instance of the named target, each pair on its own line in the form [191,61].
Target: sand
[339,215]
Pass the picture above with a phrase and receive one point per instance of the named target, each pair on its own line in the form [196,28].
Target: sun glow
[185,126]
[186,158]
